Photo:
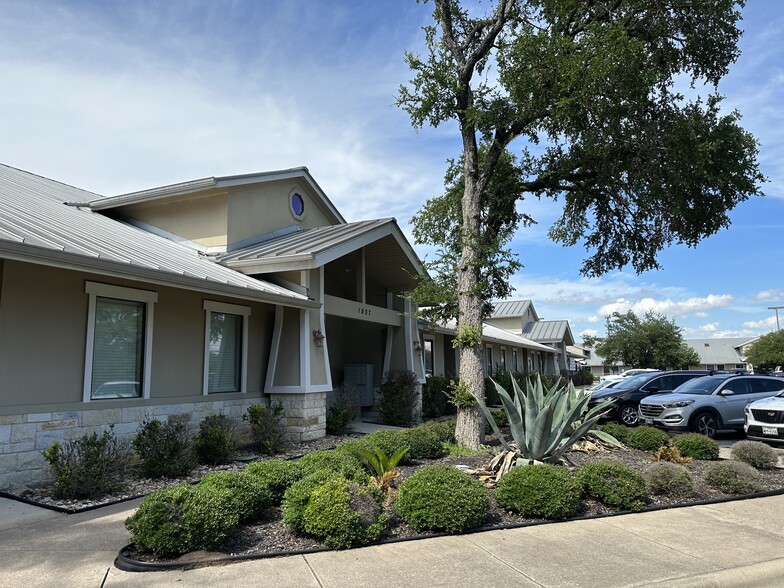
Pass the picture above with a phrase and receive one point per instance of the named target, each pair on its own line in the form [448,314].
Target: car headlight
[607,399]
[678,404]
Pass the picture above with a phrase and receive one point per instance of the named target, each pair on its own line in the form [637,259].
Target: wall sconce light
[318,337]
[417,346]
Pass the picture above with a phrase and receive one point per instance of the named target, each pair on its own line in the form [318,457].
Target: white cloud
[593,319]
[772,294]
[700,314]
[589,333]
[668,307]
[764,324]
[710,327]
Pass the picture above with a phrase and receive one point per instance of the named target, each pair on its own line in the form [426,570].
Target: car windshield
[704,386]
[633,382]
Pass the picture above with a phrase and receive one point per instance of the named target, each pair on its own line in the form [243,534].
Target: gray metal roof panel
[718,351]
[550,331]
[510,308]
[33,214]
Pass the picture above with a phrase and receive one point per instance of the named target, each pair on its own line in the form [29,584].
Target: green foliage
[399,390]
[266,427]
[614,484]
[382,467]
[444,429]
[442,498]
[455,450]
[165,449]
[585,377]
[215,442]
[340,462]
[184,518]
[343,514]
[544,423]
[540,491]
[459,395]
[767,350]
[435,402]
[732,477]
[250,496]
[277,474]
[756,454]
[424,442]
[653,341]
[339,420]
[296,498]
[696,446]
[669,479]
[647,438]
[88,467]
[387,441]
[466,336]
[620,432]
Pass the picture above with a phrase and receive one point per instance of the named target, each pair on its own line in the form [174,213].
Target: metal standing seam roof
[35,223]
[510,308]
[495,334]
[550,331]
[718,351]
[308,245]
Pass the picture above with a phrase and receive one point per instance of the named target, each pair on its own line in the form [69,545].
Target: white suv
[764,419]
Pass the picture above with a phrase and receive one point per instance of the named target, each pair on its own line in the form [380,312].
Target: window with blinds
[225,352]
[118,348]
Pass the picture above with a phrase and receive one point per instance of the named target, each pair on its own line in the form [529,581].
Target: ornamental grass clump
[343,514]
[614,484]
[756,454]
[165,449]
[250,496]
[696,446]
[442,498]
[669,479]
[540,491]
[732,477]
[647,439]
[545,423]
[184,518]
[277,474]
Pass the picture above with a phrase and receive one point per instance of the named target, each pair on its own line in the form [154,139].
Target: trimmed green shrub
[339,420]
[184,518]
[88,467]
[444,429]
[250,496]
[647,439]
[435,402]
[756,454]
[266,427]
[388,441]
[276,474]
[343,514]
[500,417]
[165,449]
[215,442]
[696,446]
[296,498]
[340,462]
[732,477]
[541,491]
[669,479]
[442,498]
[614,484]
[620,432]
[399,390]
[423,442]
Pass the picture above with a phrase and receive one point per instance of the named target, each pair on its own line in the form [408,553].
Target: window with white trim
[119,342]
[503,359]
[514,360]
[428,358]
[225,347]
[489,359]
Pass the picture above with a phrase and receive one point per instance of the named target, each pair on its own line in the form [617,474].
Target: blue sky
[120,96]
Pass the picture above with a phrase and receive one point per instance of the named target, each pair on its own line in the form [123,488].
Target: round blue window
[297,204]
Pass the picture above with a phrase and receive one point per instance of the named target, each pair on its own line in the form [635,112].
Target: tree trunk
[470,423]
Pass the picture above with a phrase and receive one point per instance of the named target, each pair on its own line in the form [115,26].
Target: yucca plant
[382,467]
[544,423]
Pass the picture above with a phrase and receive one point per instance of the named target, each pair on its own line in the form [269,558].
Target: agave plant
[382,467]
[544,423]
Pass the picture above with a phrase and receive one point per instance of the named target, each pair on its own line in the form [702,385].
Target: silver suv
[707,404]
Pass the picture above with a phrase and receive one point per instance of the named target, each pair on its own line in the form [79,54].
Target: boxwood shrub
[250,495]
[696,446]
[614,484]
[343,514]
[386,440]
[340,462]
[277,474]
[669,479]
[756,454]
[732,477]
[165,449]
[423,442]
[215,442]
[620,432]
[296,498]
[442,498]
[541,491]
[183,518]
[647,439]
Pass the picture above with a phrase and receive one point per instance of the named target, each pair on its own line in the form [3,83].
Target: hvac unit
[359,377]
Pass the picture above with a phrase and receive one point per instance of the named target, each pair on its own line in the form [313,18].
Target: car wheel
[628,415]
[706,424]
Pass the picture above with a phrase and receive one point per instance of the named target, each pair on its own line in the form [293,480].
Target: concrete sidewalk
[732,544]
